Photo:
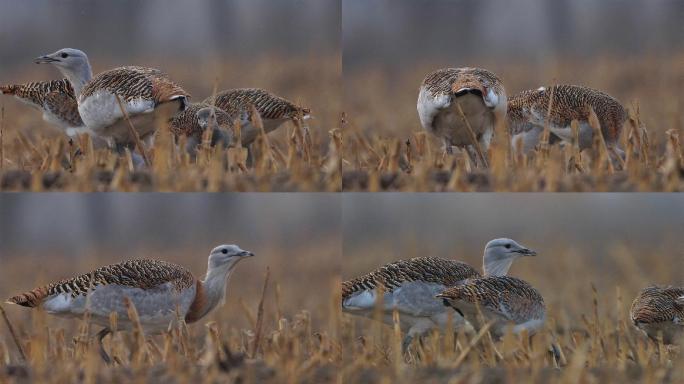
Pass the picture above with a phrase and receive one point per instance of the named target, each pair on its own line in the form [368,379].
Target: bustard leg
[406,343]
[101,335]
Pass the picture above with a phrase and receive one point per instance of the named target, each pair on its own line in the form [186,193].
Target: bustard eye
[64,55]
[508,246]
[224,251]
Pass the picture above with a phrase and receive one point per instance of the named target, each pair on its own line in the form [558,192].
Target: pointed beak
[246,254]
[44,60]
[526,252]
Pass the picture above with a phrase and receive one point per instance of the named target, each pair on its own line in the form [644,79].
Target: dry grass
[386,149]
[37,157]
[304,337]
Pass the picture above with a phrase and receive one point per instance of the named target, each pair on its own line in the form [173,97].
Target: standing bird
[145,94]
[57,98]
[480,95]
[660,310]
[504,300]
[528,113]
[197,118]
[410,287]
[273,110]
[162,293]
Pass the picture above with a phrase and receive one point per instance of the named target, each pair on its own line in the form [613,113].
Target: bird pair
[109,104]
[432,293]
[463,107]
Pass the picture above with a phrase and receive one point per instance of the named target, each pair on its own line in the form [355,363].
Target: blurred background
[631,49]
[607,240]
[290,47]
[48,237]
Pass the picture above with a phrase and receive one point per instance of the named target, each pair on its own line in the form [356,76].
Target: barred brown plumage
[142,273]
[55,97]
[659,309]
[269,106]
[528,112]
[187,122]
[502,299]
[448,95]
[428,269]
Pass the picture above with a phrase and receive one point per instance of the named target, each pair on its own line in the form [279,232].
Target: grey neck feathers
[214,285]
[78,76]
[496,265]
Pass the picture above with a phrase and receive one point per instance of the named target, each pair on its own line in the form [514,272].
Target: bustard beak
[526,252]
[246,254]
[44,60]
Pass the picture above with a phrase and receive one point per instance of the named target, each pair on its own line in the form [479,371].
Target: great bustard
[660,310]
[528,113]
[56,99]
[410,287]
[504,300]
[273,110]
[145,95]
[161,292]
[478,93]
[198,117]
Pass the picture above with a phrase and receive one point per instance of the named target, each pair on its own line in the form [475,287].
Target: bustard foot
[101,335]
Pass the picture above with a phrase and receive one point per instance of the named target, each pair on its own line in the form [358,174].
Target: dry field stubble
[386,149]
[304,337]
[36,157]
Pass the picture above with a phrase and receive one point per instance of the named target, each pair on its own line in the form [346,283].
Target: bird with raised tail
[410,287]
[273,110]
[481,97]
[162,293]
[56,99]
[198,117]
[502,300]
[145,94]
[659,310]
[528,113]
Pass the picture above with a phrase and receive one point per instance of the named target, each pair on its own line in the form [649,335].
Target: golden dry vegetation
[37,157]
[386,149]
[302,336]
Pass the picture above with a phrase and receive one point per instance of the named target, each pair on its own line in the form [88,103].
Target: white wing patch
[428,106]
[491,98]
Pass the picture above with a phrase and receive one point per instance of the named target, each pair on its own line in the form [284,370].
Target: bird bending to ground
[482,99]
[161,292]
[273,110]
[528,113]
[410,287]
[660,310]
[197,118]
[503,300]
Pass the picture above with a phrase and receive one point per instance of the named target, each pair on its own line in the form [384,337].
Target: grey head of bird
[226,257]
[72,63]
[499,254]
[209,118]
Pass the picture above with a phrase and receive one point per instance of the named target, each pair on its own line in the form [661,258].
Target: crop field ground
[386,149]
[278,331]
[36,156]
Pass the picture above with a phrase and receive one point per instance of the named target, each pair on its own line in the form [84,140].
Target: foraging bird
[528,113]
[161,292]
[482,99]
[410,287]
[145,94]
[504,300]
[197,118]
[273,110]
[660,310]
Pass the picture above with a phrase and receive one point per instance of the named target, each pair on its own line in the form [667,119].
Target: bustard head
[72,63]
[226,256]
[499,254]
[207,118]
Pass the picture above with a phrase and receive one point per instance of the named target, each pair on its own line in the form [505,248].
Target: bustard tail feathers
[29,299]
[8,89]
